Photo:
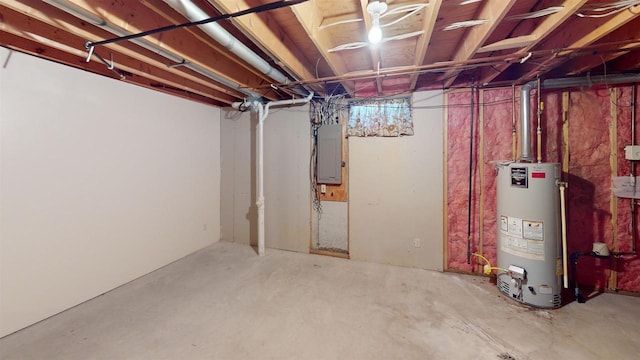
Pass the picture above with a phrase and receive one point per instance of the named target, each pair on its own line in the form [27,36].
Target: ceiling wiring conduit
[263,112]
[192,12]
[89,17]
[525,100]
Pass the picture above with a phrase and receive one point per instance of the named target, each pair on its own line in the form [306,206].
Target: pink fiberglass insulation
[497,130]
[551,124]
[588,203]
[458,138]
[589,196]
[628,268]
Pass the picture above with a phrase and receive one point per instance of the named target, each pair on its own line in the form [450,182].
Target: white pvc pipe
[563,216]
[262,115]
[263,112]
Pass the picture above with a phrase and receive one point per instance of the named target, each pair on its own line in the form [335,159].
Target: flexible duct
[218,33]
[525,104]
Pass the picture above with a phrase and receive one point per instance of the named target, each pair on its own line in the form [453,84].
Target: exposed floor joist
[542,31]
[493,11]
[428,25]
[614,22]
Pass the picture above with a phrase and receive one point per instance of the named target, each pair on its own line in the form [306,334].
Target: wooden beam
[584,64]
[48,22]
[627,62]
[428,24]
[546,27]
[445,181]
[269,36]
[493,11]
[34,48]
[310,17]
[614,22]
[133,17]
[59,47]
[509,43]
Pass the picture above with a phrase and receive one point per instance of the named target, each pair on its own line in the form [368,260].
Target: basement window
[388,117]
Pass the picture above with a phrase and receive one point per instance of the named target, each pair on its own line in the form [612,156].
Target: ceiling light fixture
[376,8]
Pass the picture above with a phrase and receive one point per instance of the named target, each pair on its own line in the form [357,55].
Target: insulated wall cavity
[583,129]
[458,139]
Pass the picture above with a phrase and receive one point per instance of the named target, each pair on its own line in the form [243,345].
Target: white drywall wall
[395,189]
[286,184]
[396,192]
[100,182]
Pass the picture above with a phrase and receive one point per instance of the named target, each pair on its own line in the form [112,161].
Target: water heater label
[514,226]
[519,177]
[524,238]
[533,230]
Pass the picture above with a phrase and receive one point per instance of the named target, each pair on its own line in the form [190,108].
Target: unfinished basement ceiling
[322,46]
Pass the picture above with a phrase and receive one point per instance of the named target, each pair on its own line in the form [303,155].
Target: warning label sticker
[524,238]
[514,226]
[533,230]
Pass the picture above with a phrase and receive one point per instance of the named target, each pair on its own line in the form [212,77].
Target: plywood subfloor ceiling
[322,46]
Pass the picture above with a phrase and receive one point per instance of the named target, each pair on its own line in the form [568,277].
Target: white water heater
[529,243]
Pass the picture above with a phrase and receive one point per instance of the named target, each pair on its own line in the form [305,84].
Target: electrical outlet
[323,188]
[416,242]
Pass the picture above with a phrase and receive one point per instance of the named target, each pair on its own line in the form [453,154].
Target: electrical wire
[322,111]
[410,9]
[536,14]
[608,9]
[464,24]
[361,44]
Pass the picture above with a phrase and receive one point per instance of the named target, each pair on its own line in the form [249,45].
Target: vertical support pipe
[563,216]
[262,115]
[470,179]
[539,130]
[514,152]
[634,202]
[263,112]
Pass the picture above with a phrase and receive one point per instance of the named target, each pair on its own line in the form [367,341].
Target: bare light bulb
[375,33]
[375,8]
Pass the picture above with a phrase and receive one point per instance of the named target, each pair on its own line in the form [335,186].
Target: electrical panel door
[330,154]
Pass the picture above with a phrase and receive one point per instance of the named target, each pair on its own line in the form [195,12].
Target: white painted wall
[396,192]
[286,185]
[100,182]
[395,189]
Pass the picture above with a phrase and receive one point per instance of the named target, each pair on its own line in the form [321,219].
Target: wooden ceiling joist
[493,11]
[542,31]
[428,25]
[614,22]
[63,43]
[273,40]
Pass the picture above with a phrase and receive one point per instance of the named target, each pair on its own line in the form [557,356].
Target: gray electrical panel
[330,154]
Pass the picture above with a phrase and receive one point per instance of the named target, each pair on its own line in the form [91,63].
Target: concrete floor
[225,302]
